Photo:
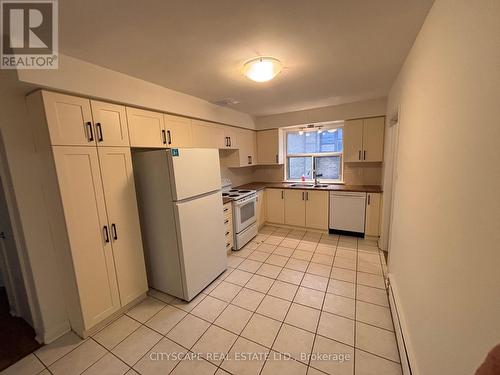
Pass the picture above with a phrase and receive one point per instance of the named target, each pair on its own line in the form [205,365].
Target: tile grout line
[322,305]
[254,312]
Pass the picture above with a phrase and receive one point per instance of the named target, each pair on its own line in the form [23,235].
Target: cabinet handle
[359,155]
[249,159]
[364,155]
[99,132]
[90,133]
[2,235]
[114,232]
[282,193]
[226,209]
[302,195]
[227,233]
[106,233]
[227,245]
[369,199]
[307,195]
[230,141]
[163,137]
[226,221]
[226,144]
[276,158]
[169,137]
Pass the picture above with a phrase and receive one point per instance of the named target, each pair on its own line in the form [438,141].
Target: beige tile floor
[291,302]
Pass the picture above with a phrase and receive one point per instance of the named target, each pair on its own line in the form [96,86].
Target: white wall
[27,211]
[368,108]
[445,241]
[80,77]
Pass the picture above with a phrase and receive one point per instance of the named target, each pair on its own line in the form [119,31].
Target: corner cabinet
[372,220]
[270,146]
[364,140]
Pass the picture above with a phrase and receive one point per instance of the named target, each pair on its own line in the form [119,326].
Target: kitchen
[280,203]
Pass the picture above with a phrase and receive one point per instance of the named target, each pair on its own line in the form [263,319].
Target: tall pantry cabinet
[86,170]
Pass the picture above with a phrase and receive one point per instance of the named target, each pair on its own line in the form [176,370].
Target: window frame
[313,155]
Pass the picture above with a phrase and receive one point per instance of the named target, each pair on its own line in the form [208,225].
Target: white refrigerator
[182,223]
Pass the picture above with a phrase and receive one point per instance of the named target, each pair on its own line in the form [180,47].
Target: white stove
[244,203]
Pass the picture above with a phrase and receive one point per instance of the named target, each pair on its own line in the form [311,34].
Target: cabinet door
[373,139]
[261,208]
[69,119]
[123,217]
[178,131]
[146,128]
[88,231]
[372,220]
[269,150]
[231,137]
[295,207]
[317,209]
[275,205]
[110,124]
[247,147]
[353,140]
[207,135]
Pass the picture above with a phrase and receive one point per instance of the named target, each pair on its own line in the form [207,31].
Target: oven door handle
[238,204]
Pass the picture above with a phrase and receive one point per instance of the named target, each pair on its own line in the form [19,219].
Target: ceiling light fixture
[262,69]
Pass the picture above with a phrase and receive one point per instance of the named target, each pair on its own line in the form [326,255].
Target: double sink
[301,185]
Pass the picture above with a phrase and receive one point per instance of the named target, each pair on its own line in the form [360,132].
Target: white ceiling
[334,51]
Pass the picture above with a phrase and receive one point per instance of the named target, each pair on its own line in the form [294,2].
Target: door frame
[22,300]
[390,182]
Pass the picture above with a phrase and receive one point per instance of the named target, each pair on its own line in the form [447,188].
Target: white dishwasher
[347,211]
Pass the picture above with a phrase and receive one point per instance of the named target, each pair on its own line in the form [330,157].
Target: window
[319,150]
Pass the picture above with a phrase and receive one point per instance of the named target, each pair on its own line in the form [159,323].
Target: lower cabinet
[372,220]
[317,207]
[295,207]
[261,208]
[101,216]
[275,205]
[228,225]
[301,208]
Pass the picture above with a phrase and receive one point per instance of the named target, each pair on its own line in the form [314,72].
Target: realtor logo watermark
[29,34]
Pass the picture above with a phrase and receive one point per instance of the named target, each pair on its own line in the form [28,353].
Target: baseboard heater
[399,327]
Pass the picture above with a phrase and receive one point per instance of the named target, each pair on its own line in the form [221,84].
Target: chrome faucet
[316,177]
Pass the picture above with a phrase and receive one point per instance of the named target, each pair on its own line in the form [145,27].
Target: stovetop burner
[234,195]
[225,194]
[233,190]
[244,191]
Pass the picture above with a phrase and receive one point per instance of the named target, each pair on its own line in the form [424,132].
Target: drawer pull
[227,233]
[226,221]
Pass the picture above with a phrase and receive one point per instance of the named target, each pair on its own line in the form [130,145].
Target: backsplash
[354,173]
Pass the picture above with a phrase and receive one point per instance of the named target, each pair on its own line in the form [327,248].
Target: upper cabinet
[230,137]
[178,131]
[270,146]
[246,153]
[74,121]
[69,119]
[207,135]
[146,128]
[364,140]
[110,121]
